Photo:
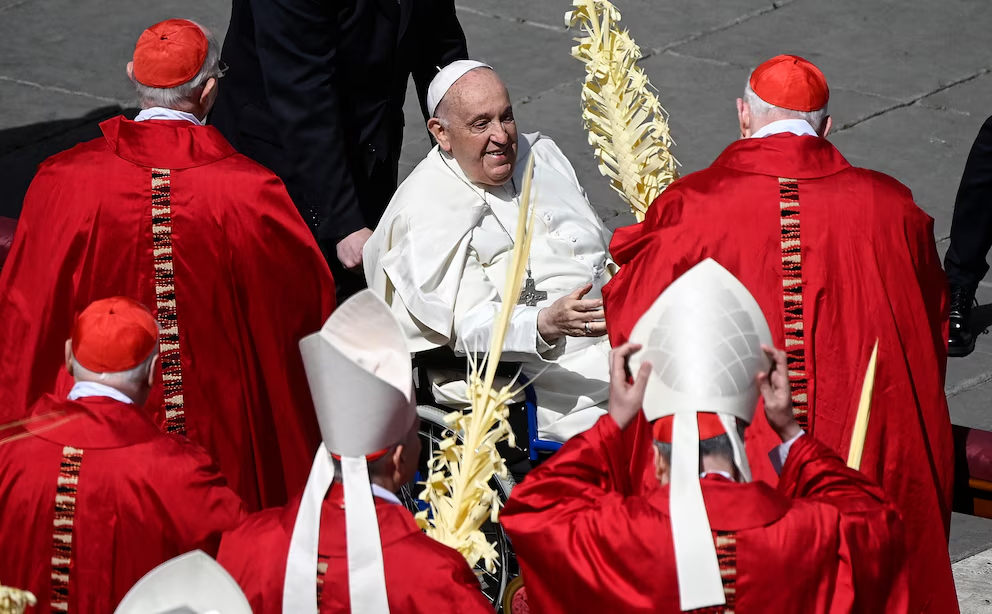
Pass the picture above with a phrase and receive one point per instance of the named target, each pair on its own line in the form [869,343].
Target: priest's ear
[744,118]
[439,131]
[130,71]
[68,356]
[828,123]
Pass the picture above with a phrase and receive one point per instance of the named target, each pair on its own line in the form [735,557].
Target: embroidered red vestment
[94,496]
[837,257]
[586,546]
[422,575]
[166,213]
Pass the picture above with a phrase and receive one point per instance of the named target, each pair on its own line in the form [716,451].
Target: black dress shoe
[961,341]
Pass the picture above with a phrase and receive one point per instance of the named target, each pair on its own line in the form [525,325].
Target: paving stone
[972,578]
[969,536]
[893,49]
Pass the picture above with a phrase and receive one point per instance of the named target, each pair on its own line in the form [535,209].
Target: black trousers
[971,225]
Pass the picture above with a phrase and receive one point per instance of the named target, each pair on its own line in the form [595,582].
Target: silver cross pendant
[530,295]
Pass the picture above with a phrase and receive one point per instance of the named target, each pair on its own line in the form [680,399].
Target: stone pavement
[910,83]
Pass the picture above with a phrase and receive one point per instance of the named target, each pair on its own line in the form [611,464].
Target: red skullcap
[790,82]
[169,53]
[709,427]
[113,335]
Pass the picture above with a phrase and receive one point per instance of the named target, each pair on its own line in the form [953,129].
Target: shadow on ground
[23,148]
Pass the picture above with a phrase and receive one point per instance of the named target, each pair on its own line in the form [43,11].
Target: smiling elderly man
[440,255]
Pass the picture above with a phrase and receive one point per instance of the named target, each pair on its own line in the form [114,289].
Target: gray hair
[131,377]
[177,97]
[765,111]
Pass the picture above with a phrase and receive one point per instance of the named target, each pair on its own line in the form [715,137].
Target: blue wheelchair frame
[535,445]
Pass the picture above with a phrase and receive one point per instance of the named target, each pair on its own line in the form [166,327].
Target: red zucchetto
[709,427]
[114,334]
[169,53]
[790,82]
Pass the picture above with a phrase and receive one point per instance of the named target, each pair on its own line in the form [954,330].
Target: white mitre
[192,583]
[703,338]
[445,78]
[361,381]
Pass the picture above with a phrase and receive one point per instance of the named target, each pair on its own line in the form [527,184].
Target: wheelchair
[500,585]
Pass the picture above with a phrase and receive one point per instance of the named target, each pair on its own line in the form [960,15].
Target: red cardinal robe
[166,213]
[826,541]
[422,575]
[94,496]
[837,257]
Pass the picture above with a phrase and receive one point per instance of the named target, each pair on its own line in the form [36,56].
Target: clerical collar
[168,114]
[798,127]
[382,493]
[83,390]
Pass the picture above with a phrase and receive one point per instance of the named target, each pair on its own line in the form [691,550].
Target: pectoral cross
[530,295]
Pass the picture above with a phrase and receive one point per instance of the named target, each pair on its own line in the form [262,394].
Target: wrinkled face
[478,127]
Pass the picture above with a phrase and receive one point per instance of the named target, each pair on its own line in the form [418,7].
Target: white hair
[177,97]
[761,110]
[132,377]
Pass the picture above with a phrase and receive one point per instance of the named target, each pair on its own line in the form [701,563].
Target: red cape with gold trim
[422,576]
[94,496]
[837,257]
[166,213]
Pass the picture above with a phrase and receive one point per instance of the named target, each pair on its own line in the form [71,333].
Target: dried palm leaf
[864,413]
[457,488]
[15,601]
[627,125]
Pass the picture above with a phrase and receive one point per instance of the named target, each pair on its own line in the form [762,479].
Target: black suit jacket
[315,92]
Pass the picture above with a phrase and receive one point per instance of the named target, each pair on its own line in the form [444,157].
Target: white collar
[83,390]
[382,493]
[164,113]
[798,127]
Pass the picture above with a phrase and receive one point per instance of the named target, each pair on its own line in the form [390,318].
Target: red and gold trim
[65,515]
[726,554]
[322,561]
[165,302]
[792,287]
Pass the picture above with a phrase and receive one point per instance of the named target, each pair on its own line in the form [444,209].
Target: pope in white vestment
[439,258]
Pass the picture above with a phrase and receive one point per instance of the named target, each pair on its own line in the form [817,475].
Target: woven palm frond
[458,489]
[15,601]
[627,125]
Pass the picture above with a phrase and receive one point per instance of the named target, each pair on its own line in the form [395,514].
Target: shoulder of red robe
[790,82]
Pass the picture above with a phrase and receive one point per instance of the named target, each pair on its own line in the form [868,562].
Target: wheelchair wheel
[433,431]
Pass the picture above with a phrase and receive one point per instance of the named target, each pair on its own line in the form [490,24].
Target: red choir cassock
[94,496]
[422,575]
[165,212]
[825,541]
[836,257]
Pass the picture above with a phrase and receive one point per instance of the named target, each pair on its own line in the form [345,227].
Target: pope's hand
[626,399]
[569,316]
[775,391]
[350,248]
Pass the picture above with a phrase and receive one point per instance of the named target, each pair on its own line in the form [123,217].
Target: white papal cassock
[439,258]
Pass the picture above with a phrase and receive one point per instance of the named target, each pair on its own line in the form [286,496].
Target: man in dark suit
[971,239]
[315,92]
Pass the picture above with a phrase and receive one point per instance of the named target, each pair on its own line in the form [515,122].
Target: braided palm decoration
[627,125]
[14,601]
[458,489]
